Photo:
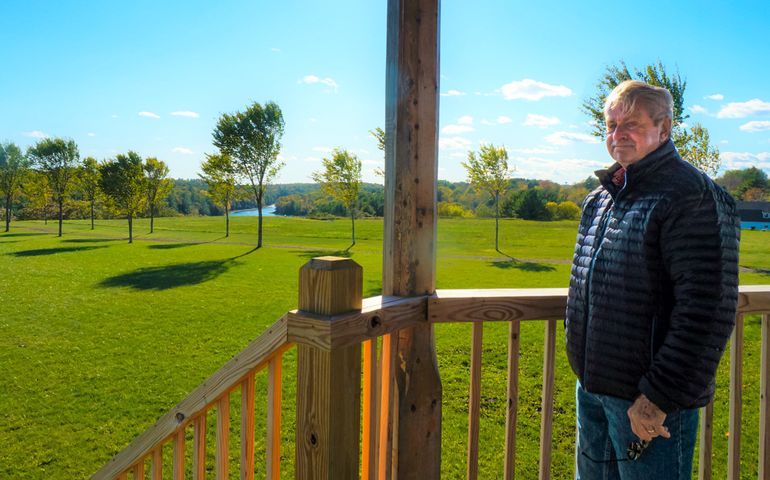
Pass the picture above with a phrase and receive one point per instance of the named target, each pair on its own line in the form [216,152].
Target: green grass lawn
[98,338]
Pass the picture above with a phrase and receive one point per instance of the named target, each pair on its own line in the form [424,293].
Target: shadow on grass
[3,235]
[170,276]
[325,253]
[50,251]
[761,271]
[92,240]
[169,246]
[523,266]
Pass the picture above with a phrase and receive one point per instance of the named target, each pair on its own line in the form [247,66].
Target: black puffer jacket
[654,283]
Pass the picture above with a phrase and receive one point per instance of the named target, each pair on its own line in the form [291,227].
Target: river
[267,211]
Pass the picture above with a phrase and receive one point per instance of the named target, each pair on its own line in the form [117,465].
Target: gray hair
[656,100]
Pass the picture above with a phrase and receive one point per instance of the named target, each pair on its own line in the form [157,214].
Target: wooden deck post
[409,253]
[328,382]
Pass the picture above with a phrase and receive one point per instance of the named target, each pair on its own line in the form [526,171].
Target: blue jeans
[604,435]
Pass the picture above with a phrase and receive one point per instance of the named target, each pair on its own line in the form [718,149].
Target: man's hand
[647,419]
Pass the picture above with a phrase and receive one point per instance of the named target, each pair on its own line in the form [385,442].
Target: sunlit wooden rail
[339,332]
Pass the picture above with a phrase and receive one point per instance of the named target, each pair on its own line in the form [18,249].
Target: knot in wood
[180,417]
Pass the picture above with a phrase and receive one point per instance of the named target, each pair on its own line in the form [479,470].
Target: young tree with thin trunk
[253,139]
[58,159]
[14,167]
[692,144]
[219,175]
[122,181]
[88,179]
[157,186]
[341,179]
[488,170]
[38,193]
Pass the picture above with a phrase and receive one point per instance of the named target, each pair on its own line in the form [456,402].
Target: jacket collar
[639,170]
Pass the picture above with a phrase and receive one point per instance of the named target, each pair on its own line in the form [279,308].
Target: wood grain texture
[199,447]
[736,401]
[370,414]
[474,402]
[222,456]
[546,421]
[705,447]
[379,316]
[254,356]
[409,237]
[764,400]
[497,305]
[512,411]
[138,471]
[329,382]
[274,392]
[385,407]
[247,427]
[157,463]
[178,459]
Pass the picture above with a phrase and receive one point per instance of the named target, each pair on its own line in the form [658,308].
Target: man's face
[633,134]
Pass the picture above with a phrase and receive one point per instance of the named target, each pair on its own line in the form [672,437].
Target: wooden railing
[333,330]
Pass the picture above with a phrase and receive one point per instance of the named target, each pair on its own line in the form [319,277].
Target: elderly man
[652,297]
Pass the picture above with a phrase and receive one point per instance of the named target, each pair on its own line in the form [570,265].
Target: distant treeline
[526,199]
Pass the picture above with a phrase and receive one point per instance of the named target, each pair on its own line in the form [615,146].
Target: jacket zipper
[604,223]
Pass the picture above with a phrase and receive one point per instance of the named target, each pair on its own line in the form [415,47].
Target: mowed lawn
[98,338]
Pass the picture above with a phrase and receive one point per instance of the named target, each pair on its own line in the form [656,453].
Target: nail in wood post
[409,243]
[329,382]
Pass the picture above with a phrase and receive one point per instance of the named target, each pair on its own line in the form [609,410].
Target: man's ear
[665,133]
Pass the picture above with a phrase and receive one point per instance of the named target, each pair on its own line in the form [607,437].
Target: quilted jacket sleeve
[699,245]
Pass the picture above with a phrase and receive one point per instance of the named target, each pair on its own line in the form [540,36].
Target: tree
[341,179]
[379,134]
[252,139]
[692,144]
[219,174]
[38,193]
[529,205]
[122,181]
[488,170]
[738,182]
[57,159]
[13,168]
[88,179]
[156,185]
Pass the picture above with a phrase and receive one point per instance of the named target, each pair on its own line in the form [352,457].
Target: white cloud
[113,116]
[756,126]
[322,149]
[312,79]
[182,150]
[716,96]
[503,120]
[484,121]
[149,115]
[739,160]
[698,109]
[465,120]
[186,114]
[274,49]
[453,143]
[535,120]
[35,134]
[744,109]
[452,93]
[91,134]
[724,142]
[528,89]
[568,138]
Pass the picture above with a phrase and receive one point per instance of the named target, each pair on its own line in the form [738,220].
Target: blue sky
[153,76]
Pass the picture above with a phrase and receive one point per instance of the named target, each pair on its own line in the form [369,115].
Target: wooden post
[409,253]
[329,382]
